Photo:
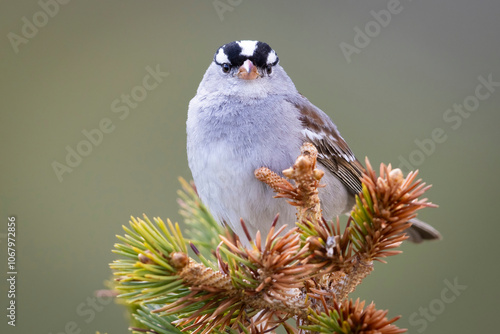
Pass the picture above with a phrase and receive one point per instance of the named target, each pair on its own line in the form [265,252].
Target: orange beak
[248,71]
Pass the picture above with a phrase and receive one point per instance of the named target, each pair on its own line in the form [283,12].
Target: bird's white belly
[232,192]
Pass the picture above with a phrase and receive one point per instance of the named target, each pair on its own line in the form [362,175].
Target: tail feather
[420,231]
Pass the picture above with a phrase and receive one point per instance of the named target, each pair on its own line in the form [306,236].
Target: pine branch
[306,273]
[203,229]
[304,194]
[154,323]
[352,318]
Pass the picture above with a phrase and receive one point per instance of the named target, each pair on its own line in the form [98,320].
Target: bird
[247,114]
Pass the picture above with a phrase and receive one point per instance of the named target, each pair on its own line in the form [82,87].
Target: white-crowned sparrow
[248,114]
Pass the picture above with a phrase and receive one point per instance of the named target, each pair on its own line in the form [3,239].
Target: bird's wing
[333,152]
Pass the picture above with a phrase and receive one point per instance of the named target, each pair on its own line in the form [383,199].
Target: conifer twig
[304,194]
[306,273]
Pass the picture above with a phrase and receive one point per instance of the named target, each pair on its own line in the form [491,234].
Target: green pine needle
[203,229]
[153,321]
[327,323]
[150,278]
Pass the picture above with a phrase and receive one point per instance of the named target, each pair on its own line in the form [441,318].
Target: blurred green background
[62,78]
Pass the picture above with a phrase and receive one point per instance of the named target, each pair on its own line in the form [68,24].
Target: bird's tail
[420,231]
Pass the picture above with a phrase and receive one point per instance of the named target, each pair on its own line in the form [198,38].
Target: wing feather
[333,151]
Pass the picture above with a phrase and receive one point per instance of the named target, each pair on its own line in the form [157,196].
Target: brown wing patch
[333,151]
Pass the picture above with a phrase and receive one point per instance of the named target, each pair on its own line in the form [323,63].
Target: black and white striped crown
[235,53]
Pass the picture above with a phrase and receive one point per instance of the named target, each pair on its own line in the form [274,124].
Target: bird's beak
[248,71]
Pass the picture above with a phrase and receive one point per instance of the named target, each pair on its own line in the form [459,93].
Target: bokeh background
[62,78]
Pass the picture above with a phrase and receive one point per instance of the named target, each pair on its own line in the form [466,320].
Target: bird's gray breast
[249,133]
[227,142]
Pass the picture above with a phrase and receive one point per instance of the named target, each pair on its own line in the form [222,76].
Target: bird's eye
[226,68]
[269,69]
